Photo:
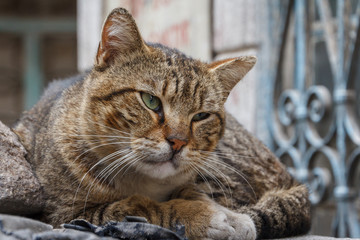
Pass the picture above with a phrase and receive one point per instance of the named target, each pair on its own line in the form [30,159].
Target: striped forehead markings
[111,95]
[176,85]
[164,88]
[196,88]
[169,61]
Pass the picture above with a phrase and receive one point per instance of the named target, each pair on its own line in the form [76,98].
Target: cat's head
[154,109]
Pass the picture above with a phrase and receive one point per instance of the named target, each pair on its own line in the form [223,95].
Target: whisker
[134,161]
[98,141]
[111,168]
[193,166]
[129,164]
[107,171]
[236,171]
[222,154]
[103,160]
[97,135]
[101,145]
[216,170]
[105,174]
[108,127]
[217,181]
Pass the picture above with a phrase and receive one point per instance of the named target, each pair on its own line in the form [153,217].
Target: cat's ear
[231,71]
[120,35]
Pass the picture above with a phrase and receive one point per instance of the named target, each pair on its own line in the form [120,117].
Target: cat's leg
[203,219]
[281,213]
[278,205]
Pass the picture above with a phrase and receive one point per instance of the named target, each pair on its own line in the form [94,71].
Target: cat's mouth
[163,165]
[152,162]
[173,160]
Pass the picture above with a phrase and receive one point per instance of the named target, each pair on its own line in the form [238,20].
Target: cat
[145,133]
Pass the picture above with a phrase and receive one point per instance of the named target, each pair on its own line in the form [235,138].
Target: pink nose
[177,144]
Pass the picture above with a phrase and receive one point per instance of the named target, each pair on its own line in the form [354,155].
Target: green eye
[200,116]
[151,101]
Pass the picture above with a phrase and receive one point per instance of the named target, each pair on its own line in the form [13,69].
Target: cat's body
[136,136]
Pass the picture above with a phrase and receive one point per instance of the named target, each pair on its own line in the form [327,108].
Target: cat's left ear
[120,36]
[231,71]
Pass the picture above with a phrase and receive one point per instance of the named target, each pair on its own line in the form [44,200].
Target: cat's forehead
[186,83]
[179,81]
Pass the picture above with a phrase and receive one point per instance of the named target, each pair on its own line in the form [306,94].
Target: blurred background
[301,99]
[37,44]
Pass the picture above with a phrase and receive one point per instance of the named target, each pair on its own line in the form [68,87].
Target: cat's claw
[226,224]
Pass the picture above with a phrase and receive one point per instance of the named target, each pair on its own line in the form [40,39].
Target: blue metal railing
[300,110]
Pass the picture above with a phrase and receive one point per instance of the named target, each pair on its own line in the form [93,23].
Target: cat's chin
[159,169]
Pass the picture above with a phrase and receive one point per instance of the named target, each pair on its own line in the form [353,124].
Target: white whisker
[101,145]
[97,135]
[104,174]
[111,128]
[193,166]
[112,167]
[103,160]
[217,181]
[229,167]
[134,161]
[222,154]
[216,170]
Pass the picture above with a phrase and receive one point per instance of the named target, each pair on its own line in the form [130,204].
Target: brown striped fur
[102,154]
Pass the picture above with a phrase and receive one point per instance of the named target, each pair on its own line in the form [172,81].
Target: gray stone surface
[20,192]
[314,237]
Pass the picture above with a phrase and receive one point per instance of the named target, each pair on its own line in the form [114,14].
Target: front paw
[226,224]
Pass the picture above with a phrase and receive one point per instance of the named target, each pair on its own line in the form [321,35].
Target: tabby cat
[140,134]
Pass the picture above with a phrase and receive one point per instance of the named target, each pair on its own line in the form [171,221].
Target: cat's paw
[226,224]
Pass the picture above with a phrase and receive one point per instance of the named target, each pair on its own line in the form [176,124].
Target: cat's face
[163,110]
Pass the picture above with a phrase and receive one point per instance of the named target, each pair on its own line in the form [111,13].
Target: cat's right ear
[119,36]
[231,71]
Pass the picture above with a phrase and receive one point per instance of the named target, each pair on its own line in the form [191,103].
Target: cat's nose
[176,144]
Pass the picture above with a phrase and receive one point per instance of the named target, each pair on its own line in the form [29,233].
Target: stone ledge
[312,237]
[20,191]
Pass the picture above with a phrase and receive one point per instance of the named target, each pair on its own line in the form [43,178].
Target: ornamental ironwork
[315,106]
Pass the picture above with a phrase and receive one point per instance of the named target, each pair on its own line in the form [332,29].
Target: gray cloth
[130,228]
[19,228]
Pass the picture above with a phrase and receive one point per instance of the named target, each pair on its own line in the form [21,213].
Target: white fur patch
[226,224]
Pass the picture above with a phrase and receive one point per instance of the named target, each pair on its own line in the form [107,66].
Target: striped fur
[101,153]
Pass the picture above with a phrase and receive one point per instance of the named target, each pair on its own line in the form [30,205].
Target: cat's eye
[200,116]
[151,101]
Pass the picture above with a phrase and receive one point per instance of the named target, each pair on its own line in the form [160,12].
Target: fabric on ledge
[19,228]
